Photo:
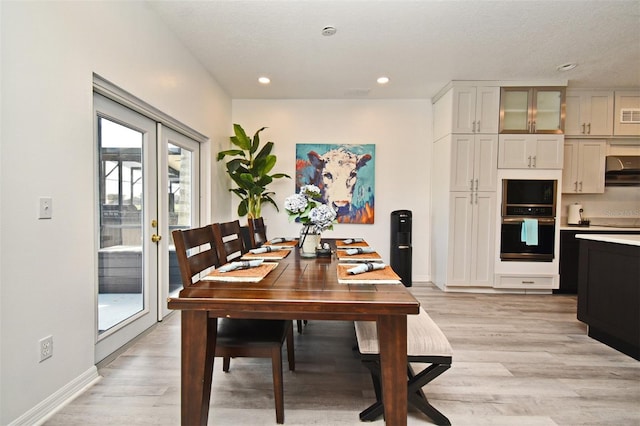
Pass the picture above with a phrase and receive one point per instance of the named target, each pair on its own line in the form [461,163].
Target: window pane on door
[180,204]
[120,276]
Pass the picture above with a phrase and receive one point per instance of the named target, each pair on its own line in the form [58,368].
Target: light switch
[46,208]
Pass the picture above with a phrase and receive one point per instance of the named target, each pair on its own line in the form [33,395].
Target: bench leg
[415,395]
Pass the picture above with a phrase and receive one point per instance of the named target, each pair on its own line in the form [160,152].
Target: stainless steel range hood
[622,170]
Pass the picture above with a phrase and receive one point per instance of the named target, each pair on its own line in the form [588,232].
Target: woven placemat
[251,275]
[272,255]
[361,257]
[287,244]
[341,244]
[378,276]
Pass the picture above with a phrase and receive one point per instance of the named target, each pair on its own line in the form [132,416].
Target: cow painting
[345,176]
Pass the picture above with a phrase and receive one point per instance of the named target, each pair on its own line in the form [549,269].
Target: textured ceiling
[419,45]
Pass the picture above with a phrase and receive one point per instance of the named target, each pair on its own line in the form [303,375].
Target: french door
[147,185]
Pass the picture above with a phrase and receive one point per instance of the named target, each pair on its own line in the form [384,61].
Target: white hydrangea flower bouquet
[306,208]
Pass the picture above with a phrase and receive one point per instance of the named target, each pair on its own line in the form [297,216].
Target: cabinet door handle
[528,282]
[575,186]
[529,161]
[534,160]
[589,128]
[471,185]
[471,199]
[476,185]
[473,130]
[529,126]
[476,198]
[478,126]
[583,128]
[533,127]
[580,186]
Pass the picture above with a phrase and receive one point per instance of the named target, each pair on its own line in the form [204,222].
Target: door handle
[155,238]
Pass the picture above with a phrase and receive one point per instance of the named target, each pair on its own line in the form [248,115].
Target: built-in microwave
[529,197]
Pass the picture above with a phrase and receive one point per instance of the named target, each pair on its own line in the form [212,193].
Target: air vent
[357,93]
[630,115]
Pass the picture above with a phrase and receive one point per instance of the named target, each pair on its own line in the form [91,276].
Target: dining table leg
[392,336]
[198,350]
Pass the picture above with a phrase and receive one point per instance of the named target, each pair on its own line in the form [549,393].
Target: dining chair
[253,338]
[257,232]
[228,240]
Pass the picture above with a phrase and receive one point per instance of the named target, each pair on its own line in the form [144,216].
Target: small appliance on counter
[574,216]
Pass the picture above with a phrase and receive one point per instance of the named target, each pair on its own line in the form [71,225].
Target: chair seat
[240,332]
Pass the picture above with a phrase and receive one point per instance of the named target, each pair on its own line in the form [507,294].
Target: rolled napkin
[359,250]
[352,240]
[281,240]
[365,267]
[244,264]
[265,249]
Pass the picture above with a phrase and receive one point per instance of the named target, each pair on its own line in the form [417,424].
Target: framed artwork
[345,175]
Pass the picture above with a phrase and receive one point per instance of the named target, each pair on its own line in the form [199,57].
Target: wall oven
[524,199]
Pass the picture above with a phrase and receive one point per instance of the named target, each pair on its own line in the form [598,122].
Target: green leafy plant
[250,171]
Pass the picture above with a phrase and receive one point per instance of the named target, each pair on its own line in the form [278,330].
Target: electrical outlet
[46,348]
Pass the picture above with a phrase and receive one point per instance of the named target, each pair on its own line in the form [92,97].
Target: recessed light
[264,80]
[567,66]
[383,80]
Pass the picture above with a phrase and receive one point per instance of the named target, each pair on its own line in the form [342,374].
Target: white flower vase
[309,243]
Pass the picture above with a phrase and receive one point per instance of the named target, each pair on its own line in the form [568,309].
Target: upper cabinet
[627,113]
[589,113]
[475,109]
[530,151]
[584,164]
[538,110]
[466,109]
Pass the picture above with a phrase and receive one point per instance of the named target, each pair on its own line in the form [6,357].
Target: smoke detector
[328,31]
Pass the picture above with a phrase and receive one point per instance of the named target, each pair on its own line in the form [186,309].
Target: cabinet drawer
[522,281]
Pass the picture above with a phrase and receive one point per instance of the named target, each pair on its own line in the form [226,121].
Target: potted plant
[250,169]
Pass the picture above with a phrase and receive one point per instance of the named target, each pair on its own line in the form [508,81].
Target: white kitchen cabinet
[530,151]
[535,110]
[627,113]
[475,109]
[474,162]
[584,164]
[471,239]
[589,113]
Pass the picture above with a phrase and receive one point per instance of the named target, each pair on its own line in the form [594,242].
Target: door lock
[155,238]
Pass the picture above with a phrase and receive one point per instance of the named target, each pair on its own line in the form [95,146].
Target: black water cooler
[401,245]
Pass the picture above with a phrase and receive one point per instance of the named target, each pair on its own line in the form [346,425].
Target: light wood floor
[518,360]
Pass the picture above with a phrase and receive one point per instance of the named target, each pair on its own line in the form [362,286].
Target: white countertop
[631,240]
[596,228]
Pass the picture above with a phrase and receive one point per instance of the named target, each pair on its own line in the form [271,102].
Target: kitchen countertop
[631,240]
[597,228]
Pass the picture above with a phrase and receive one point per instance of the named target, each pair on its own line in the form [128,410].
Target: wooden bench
[425,344]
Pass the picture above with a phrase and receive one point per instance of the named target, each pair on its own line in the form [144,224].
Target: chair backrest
[229,243]
[196,252]
[257,232]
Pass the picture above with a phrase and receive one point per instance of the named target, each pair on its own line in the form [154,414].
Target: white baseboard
[41,412]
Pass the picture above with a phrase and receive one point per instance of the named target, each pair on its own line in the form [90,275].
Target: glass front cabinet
[532,110]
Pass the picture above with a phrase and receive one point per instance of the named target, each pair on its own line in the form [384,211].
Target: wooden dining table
[298,288]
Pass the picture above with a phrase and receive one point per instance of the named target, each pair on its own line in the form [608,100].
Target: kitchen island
[609,289]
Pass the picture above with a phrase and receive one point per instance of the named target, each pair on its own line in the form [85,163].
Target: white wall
[47,267]
[401,131]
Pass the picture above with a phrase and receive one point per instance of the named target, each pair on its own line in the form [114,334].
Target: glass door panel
[120,294]
[548,110]
[514,110]
[179,195]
